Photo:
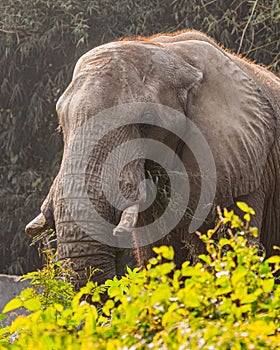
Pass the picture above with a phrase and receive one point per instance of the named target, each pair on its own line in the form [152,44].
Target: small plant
[228,300]
[50,285]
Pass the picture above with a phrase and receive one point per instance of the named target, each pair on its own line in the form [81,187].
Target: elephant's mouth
[125,227]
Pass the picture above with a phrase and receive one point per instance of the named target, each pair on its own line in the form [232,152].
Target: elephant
[183,91]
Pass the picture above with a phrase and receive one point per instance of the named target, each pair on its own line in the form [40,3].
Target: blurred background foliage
[40,41]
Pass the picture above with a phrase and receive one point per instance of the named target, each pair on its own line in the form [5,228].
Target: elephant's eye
[147,121]
[148,117]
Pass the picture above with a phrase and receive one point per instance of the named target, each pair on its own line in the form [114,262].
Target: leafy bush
[229,300]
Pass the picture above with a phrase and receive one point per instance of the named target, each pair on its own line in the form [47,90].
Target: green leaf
[238,274]
[205,258]
[243,206]
[27,293]
[166,268]
[189,271]
[245,308]
[33,304]
[153,261]
[108,307]
[192,299]
[273,259]
[163,293]
[254,231]
[249,298]
[2,317]
[115,291]
[13,304]
[268,285]
[223,242]
[165,252]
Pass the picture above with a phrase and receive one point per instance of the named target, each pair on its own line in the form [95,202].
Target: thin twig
[247,24]
[11,32]
[8,31]
[252,39]
[260,47]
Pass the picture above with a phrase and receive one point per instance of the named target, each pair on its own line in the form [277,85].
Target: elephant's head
[126,93]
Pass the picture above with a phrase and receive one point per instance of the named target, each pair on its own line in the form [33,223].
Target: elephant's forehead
[138,52]
[117,67]
[104,77]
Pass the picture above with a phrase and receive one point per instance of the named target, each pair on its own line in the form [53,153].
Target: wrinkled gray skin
[234,103]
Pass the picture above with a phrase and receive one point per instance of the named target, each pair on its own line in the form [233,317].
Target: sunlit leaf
[12,305]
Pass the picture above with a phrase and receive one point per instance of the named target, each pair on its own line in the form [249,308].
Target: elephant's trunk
[84,217]
[86,256]
[76,249]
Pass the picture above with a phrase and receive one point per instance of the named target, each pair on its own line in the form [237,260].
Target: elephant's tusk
[128,221]
[36,226]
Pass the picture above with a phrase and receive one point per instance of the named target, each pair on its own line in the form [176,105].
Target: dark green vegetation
[40,42]
[229,300]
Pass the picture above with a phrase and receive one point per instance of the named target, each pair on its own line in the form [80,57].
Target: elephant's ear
[232,113]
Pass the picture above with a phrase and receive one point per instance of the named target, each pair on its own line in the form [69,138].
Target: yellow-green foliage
[229,300]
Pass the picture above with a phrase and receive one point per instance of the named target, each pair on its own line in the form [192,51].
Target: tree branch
[246,26]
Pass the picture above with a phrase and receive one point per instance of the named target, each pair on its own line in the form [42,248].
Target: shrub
[229,300]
